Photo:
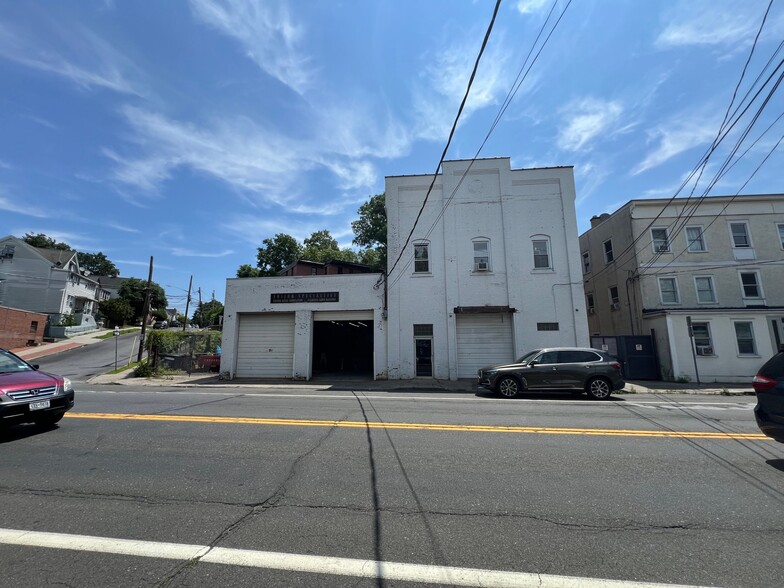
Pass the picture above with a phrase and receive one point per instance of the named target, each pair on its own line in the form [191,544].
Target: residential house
[656,266]
[303,267]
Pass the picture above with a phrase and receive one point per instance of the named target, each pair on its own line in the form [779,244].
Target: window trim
[667,243]
[710,339]
[780,227]
[677,291]
[758,279]
[546,239]
[426,244]
[474,269]
[754,353]
[702,238]
[745,223]
[617,300]
[604,251]
[713,290]
[586,256]
[590,302]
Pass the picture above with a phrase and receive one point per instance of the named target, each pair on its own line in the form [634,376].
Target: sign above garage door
[282,297]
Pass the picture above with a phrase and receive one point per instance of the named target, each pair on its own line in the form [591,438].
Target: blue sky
[192,130]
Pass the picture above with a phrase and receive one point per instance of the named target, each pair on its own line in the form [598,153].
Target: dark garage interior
[343,347]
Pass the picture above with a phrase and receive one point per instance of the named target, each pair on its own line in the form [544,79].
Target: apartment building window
[541,253]
[696,239]
[33,326]
[590,303]
[481,255]
[608,251]
[781,235]
[615,301]
[587,260]
[546,326]
[660,240]
[421,258]
[706,293]
[702,338]
[740,235]
[668,288]
[750,285]
[744,335]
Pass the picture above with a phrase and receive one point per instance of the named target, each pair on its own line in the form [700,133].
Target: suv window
[575,356]
[548,357]
[774,367]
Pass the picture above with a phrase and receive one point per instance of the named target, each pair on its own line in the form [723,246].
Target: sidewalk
[30,353]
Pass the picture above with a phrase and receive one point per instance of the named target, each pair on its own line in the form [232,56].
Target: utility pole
[187,304]
[201,310]
[145,311]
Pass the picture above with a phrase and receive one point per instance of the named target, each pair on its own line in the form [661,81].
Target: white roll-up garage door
[483,339]
[265,347]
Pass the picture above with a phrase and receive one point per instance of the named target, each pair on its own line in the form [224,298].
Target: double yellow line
[171,418]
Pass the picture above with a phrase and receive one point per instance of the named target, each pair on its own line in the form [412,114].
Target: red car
[31,396]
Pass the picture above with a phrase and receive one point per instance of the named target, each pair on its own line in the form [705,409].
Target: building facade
[655,267]
[21,328]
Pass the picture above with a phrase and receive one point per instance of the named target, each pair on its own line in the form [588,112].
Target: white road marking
[335,566]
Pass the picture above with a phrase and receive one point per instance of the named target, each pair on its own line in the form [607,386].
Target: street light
[116,338]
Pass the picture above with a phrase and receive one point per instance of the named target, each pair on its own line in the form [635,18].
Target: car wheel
[598,388]
[48,420]
[508,387]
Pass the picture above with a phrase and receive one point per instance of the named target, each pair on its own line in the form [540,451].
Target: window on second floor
[781,235]
[590,302]
[608,251]
[481,255]
[750,285]
[612,291]
[706,294]
[587,262]
[740,235]
[668,288]
[660,240]
[696,239]
[541,253]
[421,258]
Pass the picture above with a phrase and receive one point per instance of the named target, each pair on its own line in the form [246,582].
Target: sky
[190,131]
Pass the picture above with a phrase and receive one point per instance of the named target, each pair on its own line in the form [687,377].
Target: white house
[492,269]
[654,266]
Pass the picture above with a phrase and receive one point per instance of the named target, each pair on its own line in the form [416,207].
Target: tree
[97,264]
[132,291]
[277,253]
[208,313]
[246,270]
[41,240]
[117,310]
[371,229]
[321,246]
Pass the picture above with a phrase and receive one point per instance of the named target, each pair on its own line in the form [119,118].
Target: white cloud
[531,6]
[25,209]
[266,32]
[191,253]
[123,228]
[711,23]
[674,139]
[585,120]
[93,62]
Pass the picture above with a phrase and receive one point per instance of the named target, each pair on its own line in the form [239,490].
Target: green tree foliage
[132,291]
[371,230]
[246,270]
[41,240]
[208,313]
[117,310]
[277,253]
[97,264]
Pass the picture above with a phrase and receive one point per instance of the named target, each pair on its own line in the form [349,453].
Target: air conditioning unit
[615,306]
[481,266]
[704,350]
[662,249]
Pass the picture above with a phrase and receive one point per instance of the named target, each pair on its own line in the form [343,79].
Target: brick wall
[19,327]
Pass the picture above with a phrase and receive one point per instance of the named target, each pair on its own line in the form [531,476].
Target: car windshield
[528,356]
[9,363]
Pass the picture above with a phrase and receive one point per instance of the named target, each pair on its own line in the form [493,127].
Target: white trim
[677,291]
[667,248]
[702,236]
[713,290]
[755,353]
[743,296]
[780,232]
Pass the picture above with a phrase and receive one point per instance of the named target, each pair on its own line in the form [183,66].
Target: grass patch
[124,368]
[110,334]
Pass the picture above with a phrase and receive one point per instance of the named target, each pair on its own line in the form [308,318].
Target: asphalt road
[642,488]
[97,358]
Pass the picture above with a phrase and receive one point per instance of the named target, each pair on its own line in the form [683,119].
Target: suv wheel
[508,387]
[598,388]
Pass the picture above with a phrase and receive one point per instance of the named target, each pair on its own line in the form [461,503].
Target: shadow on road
[19,432]
[776,463]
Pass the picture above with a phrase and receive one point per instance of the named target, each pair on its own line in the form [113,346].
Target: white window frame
[701,349]
[758,280]
[477,256]
[426,245]
[753,339]
[586,262]
[604,251]
[750,243]
[539,239]
[661,248]
[702,240]
[780,227]
[615,303]
[677,293]
[712,289]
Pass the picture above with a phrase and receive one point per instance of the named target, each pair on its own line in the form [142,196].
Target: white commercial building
[491,269]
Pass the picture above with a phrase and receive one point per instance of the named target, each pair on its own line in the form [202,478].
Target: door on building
[265,345]
[423,350]
[483,339]
[342,343]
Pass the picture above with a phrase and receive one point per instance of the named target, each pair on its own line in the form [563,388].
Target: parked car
[28,395]
[769,386]
[175,324]
[556,368]
[160,325]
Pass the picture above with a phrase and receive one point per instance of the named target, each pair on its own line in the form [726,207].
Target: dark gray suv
[556,368]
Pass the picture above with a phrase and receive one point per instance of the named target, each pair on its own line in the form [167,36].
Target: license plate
[39,405]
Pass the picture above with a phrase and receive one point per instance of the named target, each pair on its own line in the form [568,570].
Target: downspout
[631,278]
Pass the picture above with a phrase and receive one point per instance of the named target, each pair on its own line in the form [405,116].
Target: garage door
[265,347]
[483,339]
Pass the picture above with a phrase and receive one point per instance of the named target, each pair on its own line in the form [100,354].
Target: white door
[265,346]
[483,339]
